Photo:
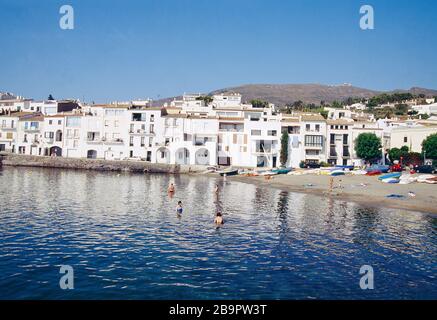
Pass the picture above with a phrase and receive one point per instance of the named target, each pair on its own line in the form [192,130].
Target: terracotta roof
[312,117]
[339,122]
[290,120]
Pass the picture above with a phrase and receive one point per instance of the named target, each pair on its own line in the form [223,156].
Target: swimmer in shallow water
[219,219]
[171,188]
[179,208]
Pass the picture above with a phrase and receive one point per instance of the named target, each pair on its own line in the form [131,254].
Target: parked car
[312,165]
[425,169]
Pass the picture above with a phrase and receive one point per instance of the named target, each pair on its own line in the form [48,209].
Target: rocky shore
[15,160]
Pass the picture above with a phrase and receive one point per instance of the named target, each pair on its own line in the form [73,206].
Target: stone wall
[95,164]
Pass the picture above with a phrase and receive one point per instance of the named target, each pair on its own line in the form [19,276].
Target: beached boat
[391,180]
[373,173]
[228,172]
[427,178]
[282,170]
[395,175]
[407,179]
[359,172]
[377,167]
[337,173]
[268,173]
[340,167]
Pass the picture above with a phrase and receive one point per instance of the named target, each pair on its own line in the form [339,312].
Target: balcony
[31,129]
[114,141]
[138,132]
[8,128]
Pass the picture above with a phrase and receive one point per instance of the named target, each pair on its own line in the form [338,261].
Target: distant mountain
[280,94]
[417,91]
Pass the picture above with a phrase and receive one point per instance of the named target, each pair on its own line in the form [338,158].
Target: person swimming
[219,219]
[171,188]
[179,208]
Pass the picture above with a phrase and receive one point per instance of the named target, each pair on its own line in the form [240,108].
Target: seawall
[16,160]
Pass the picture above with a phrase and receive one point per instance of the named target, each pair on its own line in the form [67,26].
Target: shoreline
[365,190]
[373,194]
[18,160]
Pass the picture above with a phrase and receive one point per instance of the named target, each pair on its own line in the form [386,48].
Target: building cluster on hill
[198,130]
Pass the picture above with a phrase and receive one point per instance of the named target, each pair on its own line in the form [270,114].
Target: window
[116,123]
[69,133]
[272,133]
[405,139]
[50,122]
[317,127]
[152,128]
[73,122]
[314,141]
[332,138]
[59,122]
[131,142]
[152,118]
[76,133]
[142,141]
[75,143]
[114,113]
[255,132]
[308,127]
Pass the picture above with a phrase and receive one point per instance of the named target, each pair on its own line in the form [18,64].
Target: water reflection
[121,232]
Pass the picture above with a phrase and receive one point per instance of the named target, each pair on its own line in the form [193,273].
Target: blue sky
[122,50]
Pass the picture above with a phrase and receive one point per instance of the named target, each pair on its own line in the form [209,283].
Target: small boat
[373,173]
[391,180]
[228,172]
[337,173]
[268,173]
[282,170]
[425,178]
[395,175]
[344,167]
[376,167]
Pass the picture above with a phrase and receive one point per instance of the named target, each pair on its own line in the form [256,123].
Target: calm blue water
[121,235]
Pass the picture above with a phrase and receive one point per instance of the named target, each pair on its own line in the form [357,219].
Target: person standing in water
[219,219]
[179,208]
[171,188]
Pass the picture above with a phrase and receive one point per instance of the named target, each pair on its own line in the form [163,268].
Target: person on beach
[219,219]
[171,188]
[179,208]
[216,189]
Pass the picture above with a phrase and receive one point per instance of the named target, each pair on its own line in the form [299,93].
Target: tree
[394,154]
[368,146]
[429,146]
[284,148]
[337,105]
[206,99]
[50,97]
[256,103]
[324,114]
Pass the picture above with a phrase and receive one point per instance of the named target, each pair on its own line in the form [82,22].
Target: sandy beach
[362,189]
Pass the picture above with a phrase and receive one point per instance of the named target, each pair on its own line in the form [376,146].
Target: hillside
[280,94]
